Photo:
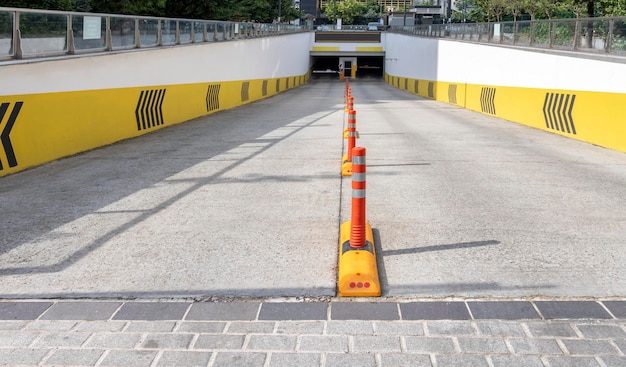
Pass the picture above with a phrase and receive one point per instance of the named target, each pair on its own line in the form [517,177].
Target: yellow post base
[346,166]
[358,274]
[345,133]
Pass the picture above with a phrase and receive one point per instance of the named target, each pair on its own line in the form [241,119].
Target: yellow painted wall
[39,128]
[592,117]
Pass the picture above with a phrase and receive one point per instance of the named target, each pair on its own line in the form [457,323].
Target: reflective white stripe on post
[358,177]
[358,159]
[352,134]
[358,194]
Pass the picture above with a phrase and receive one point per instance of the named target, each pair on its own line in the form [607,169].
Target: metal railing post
[609,36]
[70,36]
[137,34]
[177,36]
[552,31]
[159,33]
[17,36]
[108,35]
[576,35]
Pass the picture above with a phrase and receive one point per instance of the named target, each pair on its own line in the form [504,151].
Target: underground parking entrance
[355,66]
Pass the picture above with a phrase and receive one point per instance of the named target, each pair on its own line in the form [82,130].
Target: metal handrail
[31,33]
[603,35]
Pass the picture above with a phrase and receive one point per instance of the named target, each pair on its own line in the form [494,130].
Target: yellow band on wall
[39,128]
[592,117]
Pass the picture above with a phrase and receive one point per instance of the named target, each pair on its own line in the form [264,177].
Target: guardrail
[605,35]
[27,33]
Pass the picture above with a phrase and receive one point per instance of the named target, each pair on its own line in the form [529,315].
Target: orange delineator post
[357,229]
[348,95]
[358,273]
[350,133]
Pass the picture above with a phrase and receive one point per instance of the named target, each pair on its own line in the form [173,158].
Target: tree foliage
[40,4]
[347,10]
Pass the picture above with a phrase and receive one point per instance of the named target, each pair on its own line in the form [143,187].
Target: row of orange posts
[358,273]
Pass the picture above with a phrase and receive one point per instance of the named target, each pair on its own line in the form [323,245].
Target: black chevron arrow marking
[213,98]
[4,136]
[149,111]
[557,112]
[488,100]
[452,93]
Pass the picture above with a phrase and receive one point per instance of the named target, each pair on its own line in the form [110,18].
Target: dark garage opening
[328,67]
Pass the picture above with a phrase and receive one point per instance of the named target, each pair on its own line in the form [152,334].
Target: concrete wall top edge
[285,55]
[464,62]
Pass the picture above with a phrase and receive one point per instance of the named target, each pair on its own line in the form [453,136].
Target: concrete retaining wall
[581,98]
[52,109]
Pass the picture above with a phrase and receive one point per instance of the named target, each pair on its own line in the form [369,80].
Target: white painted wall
[461,62]
[259,58]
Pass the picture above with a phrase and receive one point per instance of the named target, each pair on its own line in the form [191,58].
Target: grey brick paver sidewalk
[338,333]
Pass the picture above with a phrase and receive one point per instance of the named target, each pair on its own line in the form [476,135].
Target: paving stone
[621,344]
[589,347]
[402,328]
[272,342]
[219,341]
[572,310]
[129,358]
[551,330]
[256,327]
[483,345]
[201,327]
[294,311]
[429,345]
[101,326]
[601,331]
[226,311]
[345,359]
[617,308]
[152,311]
[17,338]
[21,356]
[22,310]
[405,360]
[516,361]
[462,360]
[434,311]
[114,340]
[167,341]
[62,339]
[300,327]
[379,343]
[350,328]
[364,311]
[12,325]
[227,359]
[535,346]
[510,310]
[450,328]
[498,328]
[81,311]
[75,357]
[295,359]
[151,326]
[324,343]
[572,362]
[43,325]
[612,361]
[184,358]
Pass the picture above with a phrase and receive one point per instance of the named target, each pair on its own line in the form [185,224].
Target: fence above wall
[606,35]
[27,33]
